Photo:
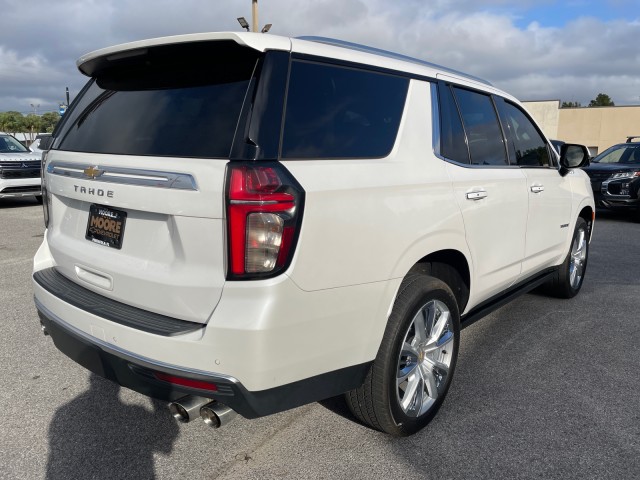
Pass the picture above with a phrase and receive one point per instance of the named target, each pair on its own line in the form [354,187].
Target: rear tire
[568,279]
[412,372]
[39,199]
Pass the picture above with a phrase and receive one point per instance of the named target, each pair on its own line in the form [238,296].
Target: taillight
[264,213]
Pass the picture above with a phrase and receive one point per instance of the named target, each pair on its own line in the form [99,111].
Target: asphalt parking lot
[544,388]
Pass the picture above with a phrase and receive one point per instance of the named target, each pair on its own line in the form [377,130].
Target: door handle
[477,195]
[537,188]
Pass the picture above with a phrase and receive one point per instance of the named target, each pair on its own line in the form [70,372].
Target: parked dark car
[615,178]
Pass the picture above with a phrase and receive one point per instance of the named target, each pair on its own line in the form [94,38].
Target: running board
[494,303]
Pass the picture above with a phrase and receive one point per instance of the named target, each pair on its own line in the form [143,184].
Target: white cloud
[40,41]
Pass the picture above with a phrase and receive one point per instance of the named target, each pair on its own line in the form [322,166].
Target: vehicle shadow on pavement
[338,405]
[97,436]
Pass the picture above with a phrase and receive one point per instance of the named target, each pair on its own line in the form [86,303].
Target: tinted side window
[453,141]
[336,112]
[530,148]
[486,144]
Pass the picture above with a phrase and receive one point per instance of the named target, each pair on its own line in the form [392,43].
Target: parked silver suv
[19,169]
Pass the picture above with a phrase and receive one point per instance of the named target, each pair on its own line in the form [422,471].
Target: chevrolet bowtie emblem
[93,172]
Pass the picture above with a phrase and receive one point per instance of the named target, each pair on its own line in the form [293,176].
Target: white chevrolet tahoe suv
[245,223]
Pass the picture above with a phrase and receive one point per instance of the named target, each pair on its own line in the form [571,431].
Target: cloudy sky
[535,49]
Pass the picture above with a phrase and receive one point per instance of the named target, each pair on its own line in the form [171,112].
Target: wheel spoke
[581,241]
[583,248]
[409,350]
[415,383]
[441,367]
[420,322]
[439,344]
[403,375]
[445,339]
[419,400]
[430,379]
[439,327]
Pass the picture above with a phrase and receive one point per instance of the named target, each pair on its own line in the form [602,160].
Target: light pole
[254,20]
[35,108]
[254,15]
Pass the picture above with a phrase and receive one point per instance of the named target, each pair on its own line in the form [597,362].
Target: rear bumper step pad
[61,287]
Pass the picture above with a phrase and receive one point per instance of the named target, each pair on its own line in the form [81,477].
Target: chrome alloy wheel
[425,358]
[578,258]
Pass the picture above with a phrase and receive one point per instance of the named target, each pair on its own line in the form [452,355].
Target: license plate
[106,226]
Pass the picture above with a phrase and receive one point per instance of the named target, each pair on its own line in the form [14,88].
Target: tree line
[15,122]
[602,100]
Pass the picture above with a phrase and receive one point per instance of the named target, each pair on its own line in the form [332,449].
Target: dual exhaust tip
[212,413]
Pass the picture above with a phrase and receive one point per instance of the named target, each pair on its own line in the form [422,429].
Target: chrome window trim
[125,176]
[435,120]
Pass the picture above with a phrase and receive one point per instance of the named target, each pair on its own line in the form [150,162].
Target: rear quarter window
[453,140]
[339,112]
[486,144]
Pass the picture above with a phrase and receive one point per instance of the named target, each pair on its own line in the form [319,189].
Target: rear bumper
[137,373]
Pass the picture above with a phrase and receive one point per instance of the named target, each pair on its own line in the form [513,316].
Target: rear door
[136,177]
[491,194]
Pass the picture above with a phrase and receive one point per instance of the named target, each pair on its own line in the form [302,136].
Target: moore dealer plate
[106,226]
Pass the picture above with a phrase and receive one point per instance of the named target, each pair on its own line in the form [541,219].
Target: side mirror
[573,156]
[45,143]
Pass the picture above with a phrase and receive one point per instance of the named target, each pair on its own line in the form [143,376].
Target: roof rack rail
[388,54]
[630,139]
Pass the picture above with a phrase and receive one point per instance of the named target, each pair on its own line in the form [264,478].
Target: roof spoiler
[630,139]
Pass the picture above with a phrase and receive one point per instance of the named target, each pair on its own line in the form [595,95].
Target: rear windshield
[180,101]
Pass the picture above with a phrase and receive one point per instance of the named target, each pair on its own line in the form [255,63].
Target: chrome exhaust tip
[187,408]
[216,414]
[44,329]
